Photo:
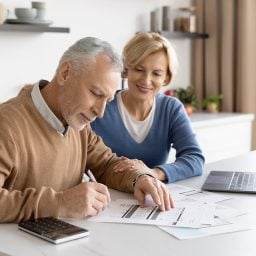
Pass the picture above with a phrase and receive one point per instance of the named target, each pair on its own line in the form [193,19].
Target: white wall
[26,57]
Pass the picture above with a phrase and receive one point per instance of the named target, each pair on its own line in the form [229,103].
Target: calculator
[53,230]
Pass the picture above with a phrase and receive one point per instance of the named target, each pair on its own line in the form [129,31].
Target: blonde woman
[143,124]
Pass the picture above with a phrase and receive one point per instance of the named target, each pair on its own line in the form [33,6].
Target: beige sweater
[37,164]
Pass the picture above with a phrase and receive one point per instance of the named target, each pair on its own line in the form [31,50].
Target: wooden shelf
[33,28]
[176,34]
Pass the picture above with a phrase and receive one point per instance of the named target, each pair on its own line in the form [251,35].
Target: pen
[91,176]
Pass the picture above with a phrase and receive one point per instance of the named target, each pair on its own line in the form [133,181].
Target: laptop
[228,181]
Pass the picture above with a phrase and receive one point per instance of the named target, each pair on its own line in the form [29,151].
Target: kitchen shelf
[33,28]
[176,34]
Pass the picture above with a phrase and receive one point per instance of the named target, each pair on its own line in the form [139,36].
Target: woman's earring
[123,83]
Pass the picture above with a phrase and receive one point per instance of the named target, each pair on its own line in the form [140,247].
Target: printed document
[220,227]
[196,214]
[194,194]
[129,211]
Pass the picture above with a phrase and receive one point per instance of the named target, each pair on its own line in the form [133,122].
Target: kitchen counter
[223,135]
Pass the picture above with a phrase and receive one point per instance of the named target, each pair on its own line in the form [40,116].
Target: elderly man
[47,142]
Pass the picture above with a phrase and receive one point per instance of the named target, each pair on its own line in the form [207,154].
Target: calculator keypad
[45,225]
[53,230]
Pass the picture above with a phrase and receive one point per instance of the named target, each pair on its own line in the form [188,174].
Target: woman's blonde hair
[142,45]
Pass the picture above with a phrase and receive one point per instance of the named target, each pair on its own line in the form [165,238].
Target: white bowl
[25,13]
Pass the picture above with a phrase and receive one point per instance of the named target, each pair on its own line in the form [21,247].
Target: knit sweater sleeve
[17,205]
[189,158]
[101,160]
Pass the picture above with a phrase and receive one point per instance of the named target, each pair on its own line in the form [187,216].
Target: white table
[108,239]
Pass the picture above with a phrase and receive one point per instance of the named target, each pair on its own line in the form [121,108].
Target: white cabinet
[223,135]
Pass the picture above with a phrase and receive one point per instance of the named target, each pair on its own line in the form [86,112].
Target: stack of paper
[195,214]
[225,219]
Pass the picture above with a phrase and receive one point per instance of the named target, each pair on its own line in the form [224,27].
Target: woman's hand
[134,164]
[129,164]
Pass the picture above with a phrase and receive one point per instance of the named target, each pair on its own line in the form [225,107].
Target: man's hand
[85,199]
[146,184]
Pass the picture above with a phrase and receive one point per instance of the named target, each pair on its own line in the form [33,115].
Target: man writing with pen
[47,142]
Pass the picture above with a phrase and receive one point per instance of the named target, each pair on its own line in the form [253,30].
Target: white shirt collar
[44,110]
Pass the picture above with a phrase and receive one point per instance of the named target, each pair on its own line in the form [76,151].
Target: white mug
[3,13]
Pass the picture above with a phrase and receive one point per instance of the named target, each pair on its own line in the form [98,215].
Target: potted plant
[188,97]
[212,103]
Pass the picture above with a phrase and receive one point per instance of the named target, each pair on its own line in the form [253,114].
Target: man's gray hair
[84,51]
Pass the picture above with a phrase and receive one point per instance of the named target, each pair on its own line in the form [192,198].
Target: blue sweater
[170,128]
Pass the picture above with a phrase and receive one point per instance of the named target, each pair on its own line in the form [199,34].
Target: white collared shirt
[44,110]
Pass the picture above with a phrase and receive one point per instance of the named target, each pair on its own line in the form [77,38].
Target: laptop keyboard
[245,181]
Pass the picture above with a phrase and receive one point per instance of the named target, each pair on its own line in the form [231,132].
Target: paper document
[196,213]
[129,211]
[225,220]
[195,194]
[220,227]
